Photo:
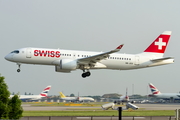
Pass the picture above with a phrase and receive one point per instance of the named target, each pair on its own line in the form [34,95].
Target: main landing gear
[19,66]
[86,74]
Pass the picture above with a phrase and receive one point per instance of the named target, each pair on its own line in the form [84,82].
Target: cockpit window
[15,51]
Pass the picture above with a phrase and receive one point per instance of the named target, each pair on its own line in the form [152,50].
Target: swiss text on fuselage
[46,53]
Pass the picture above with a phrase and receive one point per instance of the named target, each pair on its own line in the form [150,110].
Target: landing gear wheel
[19,66]
[18,70]
[88,74]
[84,75]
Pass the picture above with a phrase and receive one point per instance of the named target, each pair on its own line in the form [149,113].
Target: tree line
[10,107]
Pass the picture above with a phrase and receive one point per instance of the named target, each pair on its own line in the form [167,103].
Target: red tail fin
[159,45]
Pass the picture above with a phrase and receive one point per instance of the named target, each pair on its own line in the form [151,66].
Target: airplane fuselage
[73,99]
[28,97]
[43,56]
[168,96]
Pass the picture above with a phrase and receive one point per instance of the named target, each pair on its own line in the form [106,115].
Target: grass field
[101,113]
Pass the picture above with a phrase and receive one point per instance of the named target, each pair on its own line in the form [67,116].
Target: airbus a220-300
[69,60]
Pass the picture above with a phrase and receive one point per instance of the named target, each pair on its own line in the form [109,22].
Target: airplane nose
[7,57]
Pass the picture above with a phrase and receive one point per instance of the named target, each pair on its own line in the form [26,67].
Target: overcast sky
[91,25]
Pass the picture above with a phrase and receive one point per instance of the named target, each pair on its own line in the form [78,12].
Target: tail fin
[78,98]
[160,43]
[154,90]
[45,91]
[62,95]
[127,97]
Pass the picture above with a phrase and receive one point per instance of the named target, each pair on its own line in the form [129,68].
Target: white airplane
[122,99]
[44,93]
[112,106]
[165,96]
[69,60]
[75,99]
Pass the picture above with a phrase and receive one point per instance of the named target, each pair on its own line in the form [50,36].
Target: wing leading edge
[92,60]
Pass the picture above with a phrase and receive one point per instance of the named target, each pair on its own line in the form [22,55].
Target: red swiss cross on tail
[160,43]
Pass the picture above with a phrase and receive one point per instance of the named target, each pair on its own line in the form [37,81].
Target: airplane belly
[34,60]
[118,65]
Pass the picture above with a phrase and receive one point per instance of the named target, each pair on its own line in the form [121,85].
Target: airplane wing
[96,58]
[160,59]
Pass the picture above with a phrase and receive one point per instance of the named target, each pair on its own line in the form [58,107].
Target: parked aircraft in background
[44,93]
[75,99]
[165,96]
[122,99]
[69,60]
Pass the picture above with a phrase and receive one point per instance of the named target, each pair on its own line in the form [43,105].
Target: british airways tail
[44,93]
[159,44]
[154,90]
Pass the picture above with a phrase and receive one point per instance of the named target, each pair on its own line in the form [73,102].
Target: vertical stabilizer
[160,43]
[78,98]
[44,93]
[127,97]
[154,90]
[62,95]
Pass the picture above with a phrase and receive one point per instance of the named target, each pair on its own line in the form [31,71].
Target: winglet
[119,47]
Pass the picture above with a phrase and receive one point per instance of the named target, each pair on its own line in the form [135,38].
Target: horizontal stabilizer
[160,59]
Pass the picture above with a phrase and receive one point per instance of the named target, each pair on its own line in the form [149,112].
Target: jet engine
[65,65]
[132,106]
[108,106]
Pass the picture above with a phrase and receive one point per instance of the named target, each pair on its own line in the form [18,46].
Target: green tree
[72,95]
[4,98]
[15,109]
[10,108]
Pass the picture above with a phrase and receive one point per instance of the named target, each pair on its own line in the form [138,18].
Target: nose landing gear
[18,70]
[19,66]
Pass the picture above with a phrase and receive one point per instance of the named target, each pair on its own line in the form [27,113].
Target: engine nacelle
[108,106]
[132,106]
[65,65]
[58,69]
